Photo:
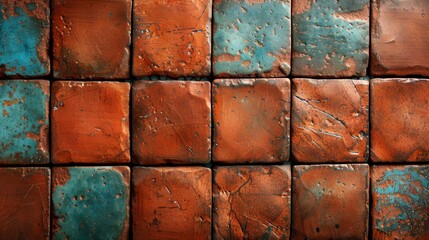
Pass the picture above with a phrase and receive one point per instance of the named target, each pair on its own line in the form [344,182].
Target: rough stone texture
[399,120]
[400,38]
[24,37]
[251,120]
[171,122]
[172,203]
[172,38]
[252,202]
[400,202]
[91,39]
[330,38]
[251,38]
[90,202]
[24,122]
[90,122]
[24,203]
[330,201]
[330,120]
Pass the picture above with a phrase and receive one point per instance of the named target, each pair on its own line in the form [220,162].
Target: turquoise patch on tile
[250,38]
[21,36]
[92,204]
[24,122]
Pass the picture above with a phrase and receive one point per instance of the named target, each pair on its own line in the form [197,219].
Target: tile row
[108,39]
[253,121]
[336,201]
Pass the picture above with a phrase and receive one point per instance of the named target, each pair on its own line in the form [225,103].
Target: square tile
[400,38]
[172,38]
[330,120]
[400,202]
[399,120]
[252,202]
[24,37]
[171,122]
[25,203]
[251,38]
[24,118]
[91,39]
[90,202]
[330,38]
[90,122]
[330,201]
[172,203]
[251,120]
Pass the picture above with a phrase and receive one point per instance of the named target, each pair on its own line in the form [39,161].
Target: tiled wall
[231,119]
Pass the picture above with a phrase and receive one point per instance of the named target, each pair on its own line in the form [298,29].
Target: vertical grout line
[50,79]
[291,162]
[130,117]
[369,161]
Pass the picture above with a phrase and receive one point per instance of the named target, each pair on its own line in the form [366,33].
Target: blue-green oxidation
[22,117]
[406,190]
[91,205]
[325,41]
[20,36]
[252,34]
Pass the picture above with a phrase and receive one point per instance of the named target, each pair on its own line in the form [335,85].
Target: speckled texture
[91,39]
[24,37]
[172,38]
[24,118]
[330,201]
[90,203]
[90,122]
[251,38]
[330,38]
[172,203]
[399,120]
[400,38]
[251,119]
[252,202]
[400,202]
[24,203]
[171,122]
[330,120]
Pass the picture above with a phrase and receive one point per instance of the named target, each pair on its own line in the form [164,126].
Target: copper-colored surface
[330,201]
[400,120]
[172,38]
[251,120]
[24,203]
[90,122]
[171,122]
[330,120]
[400,38]
[172,203]
[400,202]
[91,38]
[252,202]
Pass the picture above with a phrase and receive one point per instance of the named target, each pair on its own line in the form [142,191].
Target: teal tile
[24,122]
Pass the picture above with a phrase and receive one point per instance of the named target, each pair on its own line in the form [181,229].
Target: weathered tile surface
[24,203]
[251,38]
[91,39]
[330,38]
[24,121]
[172,38]
[251,120]
[330,201]
[252,202]
[90,202]
[400,202]
[399,120]
[330,120]
[171,122]
[90,122]
[24,37]
[172,203]
[400,38]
